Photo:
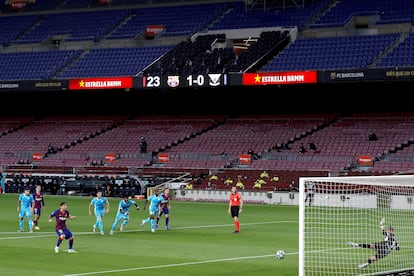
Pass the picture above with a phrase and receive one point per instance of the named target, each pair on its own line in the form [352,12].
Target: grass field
[200,242]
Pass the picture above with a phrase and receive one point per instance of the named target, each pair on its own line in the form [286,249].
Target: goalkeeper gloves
[382,224]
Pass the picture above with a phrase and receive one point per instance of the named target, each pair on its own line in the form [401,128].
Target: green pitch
[200,242]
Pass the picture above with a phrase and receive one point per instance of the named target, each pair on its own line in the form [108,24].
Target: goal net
[340,217]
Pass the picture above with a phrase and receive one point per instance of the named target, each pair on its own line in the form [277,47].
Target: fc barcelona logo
[173,81]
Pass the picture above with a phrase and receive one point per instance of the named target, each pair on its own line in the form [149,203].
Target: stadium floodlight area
[345,215]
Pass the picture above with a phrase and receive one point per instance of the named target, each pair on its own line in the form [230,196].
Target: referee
[235,207]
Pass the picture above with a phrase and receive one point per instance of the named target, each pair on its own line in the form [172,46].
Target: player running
[154,206]
[123,213]
[61,215]
[101,207]
[164,209]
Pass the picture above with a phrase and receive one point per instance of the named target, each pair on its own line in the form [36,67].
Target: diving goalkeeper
[382,248]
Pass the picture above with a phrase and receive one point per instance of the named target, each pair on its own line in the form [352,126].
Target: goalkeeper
[382,248]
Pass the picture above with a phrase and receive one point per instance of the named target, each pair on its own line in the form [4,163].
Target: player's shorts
[65,232]
[25,213]
[37,211]
[122,216]
[153,211]
[234,211]
[99,213]
[382,250]
[165,211]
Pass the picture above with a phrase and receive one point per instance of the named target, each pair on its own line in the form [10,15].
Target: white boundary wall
[248,196]
[286,198]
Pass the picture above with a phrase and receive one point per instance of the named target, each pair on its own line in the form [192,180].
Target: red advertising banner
[110,157]
[153,30]
[18,4]
[163,157]
[101,83]
[269,78]
[245,159]
[37,156]
[365,160]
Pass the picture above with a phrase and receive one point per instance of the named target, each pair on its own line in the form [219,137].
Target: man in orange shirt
[235,207]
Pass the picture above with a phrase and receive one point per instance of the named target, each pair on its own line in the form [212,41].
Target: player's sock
[31,225]
[353,244]
[152,223]
[364,265]
[365,245]
[237,224]
[59,241]
[167,221]
[158,220]
[70,243]
[100,226]
[21,225]
[114,226]
[123,224]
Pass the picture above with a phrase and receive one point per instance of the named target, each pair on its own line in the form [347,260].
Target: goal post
[341,217]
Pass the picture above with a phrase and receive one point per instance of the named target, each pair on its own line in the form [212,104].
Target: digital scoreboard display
[185,81]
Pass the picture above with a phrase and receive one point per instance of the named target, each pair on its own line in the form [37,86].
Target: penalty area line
[170,265]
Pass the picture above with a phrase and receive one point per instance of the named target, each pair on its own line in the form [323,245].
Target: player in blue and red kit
[39,204]
[62,215]
[164,209]
[25,209]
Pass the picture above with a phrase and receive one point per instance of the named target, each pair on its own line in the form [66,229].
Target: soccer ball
[280,254]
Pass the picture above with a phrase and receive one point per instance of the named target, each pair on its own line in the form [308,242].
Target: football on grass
[280,254]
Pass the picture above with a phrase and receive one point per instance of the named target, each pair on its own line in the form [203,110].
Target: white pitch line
[28,235]
[175,265]
[191,263]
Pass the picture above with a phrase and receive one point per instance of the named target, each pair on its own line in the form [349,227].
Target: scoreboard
[182,81]
[211,80]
